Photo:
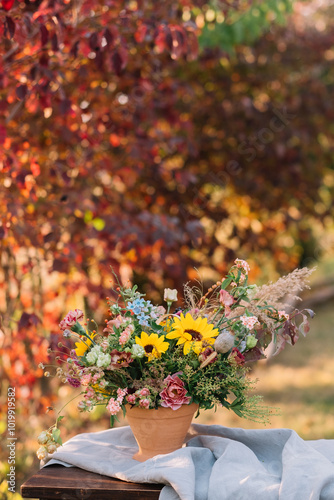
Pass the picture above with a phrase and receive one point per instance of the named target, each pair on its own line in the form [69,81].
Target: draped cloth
[217,463]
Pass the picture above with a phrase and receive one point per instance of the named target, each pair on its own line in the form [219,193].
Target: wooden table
[72,483]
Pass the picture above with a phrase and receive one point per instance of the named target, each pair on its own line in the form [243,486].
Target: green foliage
[244,28]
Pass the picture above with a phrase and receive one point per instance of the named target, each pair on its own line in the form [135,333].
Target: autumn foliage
[126,143]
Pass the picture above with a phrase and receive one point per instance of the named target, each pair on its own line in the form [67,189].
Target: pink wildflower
[114,323]
[89,393]
[249,321]
[85,380]
[121,393]
[283,314]
[96,377]
[242,264]
[124,337]
[113,406]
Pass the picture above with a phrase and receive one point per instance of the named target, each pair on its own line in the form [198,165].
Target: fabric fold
[217,463]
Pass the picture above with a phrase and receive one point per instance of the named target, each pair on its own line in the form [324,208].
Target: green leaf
[56,435]
[226,283]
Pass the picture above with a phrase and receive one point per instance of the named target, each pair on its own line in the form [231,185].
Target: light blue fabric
[218,463]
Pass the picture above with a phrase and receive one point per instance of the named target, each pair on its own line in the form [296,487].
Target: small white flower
[170,295]
[137,351]
[41,453]
[43,438]
[67,333]
[51,448]
[93,355]
[103,360]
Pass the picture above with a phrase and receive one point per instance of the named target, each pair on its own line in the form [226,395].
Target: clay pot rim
[160,412]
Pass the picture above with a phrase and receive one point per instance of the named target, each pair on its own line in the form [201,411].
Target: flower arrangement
[149,356]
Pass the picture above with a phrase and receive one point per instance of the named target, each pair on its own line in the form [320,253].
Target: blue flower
[142,319]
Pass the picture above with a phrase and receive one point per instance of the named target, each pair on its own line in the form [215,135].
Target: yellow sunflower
[153,344]
[192,333]
[81,347]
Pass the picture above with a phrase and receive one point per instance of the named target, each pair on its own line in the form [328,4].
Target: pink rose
[70,319]
[174,394]
[144,403]
[131,398]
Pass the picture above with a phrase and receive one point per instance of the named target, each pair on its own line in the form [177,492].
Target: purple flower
[73,382]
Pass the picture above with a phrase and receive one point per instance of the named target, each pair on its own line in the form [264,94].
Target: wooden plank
[71,483]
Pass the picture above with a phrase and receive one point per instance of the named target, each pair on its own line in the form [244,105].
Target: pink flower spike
[113,406]
[249,321]
[121,393]
[242,264]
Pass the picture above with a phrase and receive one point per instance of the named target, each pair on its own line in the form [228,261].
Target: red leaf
[44,60]
[119,60]
[75,48]
[35,169]
[3,134]
[21,91]
[44,34]
[54,42]
[192,46]
[94,41]
[140,33]
[65,106]
[111,35]
[28,320]
[10,26]
[7,4]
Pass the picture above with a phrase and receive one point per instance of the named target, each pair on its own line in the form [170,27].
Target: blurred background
[162,140]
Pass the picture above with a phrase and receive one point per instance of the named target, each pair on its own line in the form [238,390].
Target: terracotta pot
[160,431]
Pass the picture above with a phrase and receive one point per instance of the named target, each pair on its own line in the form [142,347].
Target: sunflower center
[195,335]
[149,348]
